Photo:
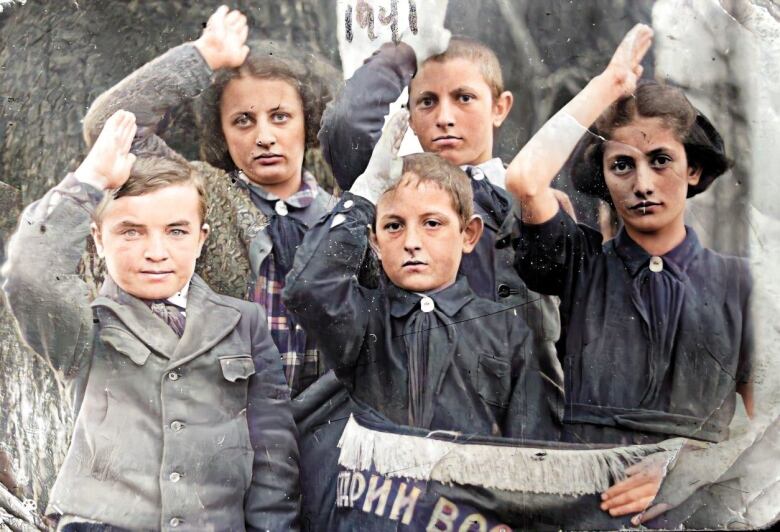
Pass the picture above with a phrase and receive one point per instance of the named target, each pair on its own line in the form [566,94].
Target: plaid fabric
[300,200]
[300,357]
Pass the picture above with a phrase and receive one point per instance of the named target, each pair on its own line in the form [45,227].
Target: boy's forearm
[151,91]
[322,289]
[352,123]
[532,171]
[46,296]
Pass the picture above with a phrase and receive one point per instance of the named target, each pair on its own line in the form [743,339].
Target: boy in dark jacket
[422,348]
[456,102]
[183,417]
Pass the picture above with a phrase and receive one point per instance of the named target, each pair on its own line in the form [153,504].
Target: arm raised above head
[532,170]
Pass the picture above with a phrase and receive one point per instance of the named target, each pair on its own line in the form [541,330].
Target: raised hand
[385,165]
[432,38]
[223,42]
[625,67]
[108,164]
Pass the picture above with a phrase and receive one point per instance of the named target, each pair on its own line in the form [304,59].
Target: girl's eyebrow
[656,151]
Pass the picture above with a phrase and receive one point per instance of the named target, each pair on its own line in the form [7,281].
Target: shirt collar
[493,169]
[449,300]
[635,257]
[302,198]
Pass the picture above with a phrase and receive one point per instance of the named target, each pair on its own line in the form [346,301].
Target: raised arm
[322,289]
[533,169]
[180,74]
[352,123]
[46,295]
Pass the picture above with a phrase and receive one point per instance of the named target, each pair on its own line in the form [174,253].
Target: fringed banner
[510,468]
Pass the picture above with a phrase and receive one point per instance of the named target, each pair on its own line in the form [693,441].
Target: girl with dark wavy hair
[656,340]
[261,108]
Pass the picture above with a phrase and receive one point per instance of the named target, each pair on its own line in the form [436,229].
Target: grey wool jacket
[188,434]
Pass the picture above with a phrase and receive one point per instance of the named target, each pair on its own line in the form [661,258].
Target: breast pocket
[237,367]
[493,380]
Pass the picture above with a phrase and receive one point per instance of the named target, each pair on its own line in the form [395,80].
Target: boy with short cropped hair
[456,102]
[422,348]
[182,407]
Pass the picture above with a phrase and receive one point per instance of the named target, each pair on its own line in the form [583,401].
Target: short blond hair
[430,168]
[478,53]
[153,172]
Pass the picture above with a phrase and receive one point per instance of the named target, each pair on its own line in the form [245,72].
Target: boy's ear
[96,236]
[204,233]
[373,242]
[501,107]
[472,233]
[694,173]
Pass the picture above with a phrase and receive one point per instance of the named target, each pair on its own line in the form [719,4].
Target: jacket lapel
[140,321]
[209,320]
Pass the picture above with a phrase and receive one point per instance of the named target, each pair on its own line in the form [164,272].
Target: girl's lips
[645,207]
[268,160]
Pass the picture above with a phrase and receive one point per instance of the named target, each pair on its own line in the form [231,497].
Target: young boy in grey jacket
[183,418]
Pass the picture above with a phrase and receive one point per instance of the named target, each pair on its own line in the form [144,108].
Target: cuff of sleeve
[85,193]
[355,207]
[194,67]
[544,237]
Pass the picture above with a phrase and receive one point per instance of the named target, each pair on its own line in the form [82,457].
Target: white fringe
[555,471]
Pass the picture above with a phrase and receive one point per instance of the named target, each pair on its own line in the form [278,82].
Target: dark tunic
[448,361]
[643,360]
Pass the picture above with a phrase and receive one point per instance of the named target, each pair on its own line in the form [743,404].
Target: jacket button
[501,244]
[173,376]
[504,290]
[177,426]
[175,522]
[174,477]
[348,204]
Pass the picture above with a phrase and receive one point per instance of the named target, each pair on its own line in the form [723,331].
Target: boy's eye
[392,227]
[179,232]
[425,102]
[465,98]
[432,223]
[621,166]
[130,233]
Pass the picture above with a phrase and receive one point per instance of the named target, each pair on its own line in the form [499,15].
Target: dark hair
[430,168]
[153,172]
[704,146]
[314,78]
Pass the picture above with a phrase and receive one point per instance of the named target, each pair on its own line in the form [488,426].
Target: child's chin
[150,292]
[417,285]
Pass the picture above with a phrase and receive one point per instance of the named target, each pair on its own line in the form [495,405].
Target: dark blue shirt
[626,380]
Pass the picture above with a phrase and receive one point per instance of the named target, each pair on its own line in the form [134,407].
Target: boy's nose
[412,241]
[156,250]
[445,117]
